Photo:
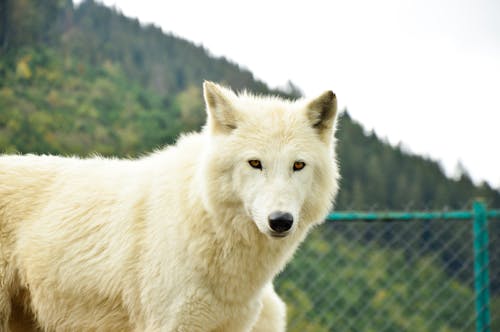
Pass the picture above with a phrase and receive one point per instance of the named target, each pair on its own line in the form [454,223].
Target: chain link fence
[415,275]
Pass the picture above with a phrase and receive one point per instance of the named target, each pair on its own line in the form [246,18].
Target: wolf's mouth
[278,234]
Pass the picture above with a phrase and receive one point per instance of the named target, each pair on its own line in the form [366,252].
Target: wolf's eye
[255,164]
[298,165]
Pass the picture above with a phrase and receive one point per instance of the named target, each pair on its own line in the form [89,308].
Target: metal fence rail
[397,271]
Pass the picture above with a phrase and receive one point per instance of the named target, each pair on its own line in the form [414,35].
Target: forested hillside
[88,79]
[83,80]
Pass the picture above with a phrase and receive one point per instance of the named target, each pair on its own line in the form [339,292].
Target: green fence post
[481,262]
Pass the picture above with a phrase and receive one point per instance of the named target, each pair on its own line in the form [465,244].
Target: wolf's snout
[280,222]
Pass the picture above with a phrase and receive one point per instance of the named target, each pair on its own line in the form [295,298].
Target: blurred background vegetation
[86,79]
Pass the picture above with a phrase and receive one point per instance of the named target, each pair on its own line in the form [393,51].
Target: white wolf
[188,238]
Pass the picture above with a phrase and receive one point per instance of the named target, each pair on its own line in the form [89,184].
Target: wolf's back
[24,185]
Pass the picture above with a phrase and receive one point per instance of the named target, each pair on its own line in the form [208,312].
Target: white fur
[174,241]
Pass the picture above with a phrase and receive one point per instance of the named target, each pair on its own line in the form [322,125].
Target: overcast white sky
[425,73]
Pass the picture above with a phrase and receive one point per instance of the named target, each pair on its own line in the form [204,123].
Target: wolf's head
[270,159]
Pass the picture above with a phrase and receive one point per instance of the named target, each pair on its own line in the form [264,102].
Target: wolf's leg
[272,317]
[5,305]
[243,320]
[202,317]
[5,286]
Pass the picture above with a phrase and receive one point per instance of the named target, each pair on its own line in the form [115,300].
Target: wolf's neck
[243,261]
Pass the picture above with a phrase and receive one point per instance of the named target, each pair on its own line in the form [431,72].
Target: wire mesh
[385,277]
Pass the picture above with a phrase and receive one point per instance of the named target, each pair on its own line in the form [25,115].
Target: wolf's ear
[221,115]
[321,112]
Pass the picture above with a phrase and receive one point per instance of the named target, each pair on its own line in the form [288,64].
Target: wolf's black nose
[280,222]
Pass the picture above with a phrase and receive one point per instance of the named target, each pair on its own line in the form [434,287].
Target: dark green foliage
[160,62]
[377,175]
[346,277]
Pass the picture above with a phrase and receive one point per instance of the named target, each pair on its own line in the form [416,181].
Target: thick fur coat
[179,240]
